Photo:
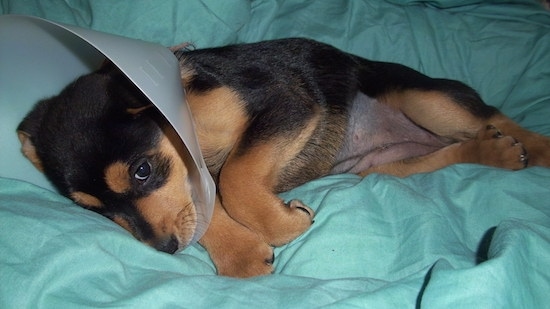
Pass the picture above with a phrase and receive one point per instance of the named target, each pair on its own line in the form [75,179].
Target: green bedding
[467,236]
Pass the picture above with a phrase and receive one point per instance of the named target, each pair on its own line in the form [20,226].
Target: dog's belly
[378,134]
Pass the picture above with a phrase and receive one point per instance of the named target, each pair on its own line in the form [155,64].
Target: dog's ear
[107,67]
[137,110]
[28,150]
[27,129]
[121,89]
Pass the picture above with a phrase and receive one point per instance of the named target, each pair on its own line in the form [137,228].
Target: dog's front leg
[247,187]
[236,250]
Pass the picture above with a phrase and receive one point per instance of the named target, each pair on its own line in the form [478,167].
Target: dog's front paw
[295,219]
[248,256]
[298,205]
[236,250]
[496,149]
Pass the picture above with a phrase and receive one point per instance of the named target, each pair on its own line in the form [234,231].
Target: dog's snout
[169,245]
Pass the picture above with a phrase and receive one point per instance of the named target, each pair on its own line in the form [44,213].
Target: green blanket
[467,236]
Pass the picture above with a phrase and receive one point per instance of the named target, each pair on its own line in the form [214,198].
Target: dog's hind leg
[477,133]
[487,147]
[537,146]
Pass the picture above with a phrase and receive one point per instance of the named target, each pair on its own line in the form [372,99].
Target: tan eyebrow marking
[86,199]
[116,177]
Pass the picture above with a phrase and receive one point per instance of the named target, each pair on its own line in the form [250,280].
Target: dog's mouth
[186,225]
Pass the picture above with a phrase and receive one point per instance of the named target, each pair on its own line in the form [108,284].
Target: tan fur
[123,223]
[434,111]
[247,184]
[29,151]
[135,111]
[86,199]
[483,149]
[170,209]
[220,120]
[476,142]
[117,177]
[186,74]
[537,146]
[236,250]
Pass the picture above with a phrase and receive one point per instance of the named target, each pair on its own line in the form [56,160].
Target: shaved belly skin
[378,134]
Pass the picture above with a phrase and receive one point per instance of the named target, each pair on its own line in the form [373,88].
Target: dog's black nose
[169,245]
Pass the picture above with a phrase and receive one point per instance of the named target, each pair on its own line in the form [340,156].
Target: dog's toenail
[271,260]
[304,210]
[524,158]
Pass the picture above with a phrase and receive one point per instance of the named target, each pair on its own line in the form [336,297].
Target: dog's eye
[143,171]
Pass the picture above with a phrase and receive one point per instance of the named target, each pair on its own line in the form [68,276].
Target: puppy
[269,116]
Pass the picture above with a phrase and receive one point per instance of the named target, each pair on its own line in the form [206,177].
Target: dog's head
[103,144]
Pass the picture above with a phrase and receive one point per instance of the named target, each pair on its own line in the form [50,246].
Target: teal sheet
[467,236]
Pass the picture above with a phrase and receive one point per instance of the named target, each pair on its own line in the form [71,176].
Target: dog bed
[467,236]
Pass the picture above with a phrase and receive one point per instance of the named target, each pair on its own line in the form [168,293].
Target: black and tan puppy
[269,117]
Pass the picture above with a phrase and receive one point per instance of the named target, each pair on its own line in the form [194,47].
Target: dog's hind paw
[492,147]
